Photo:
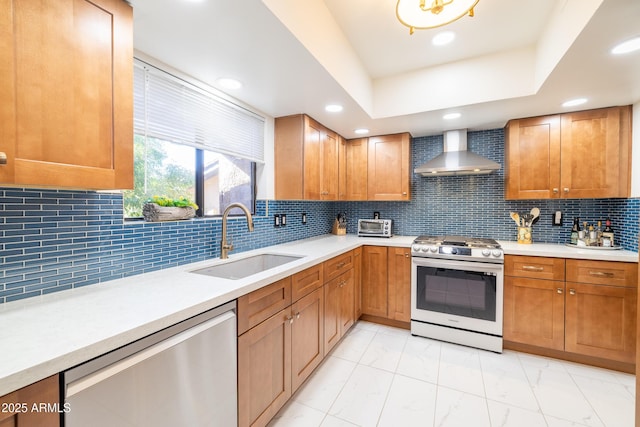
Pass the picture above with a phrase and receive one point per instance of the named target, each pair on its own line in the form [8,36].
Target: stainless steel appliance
[184,375]
[375,227]
[457,290]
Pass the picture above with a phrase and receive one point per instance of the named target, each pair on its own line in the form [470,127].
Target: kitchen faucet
[226,247]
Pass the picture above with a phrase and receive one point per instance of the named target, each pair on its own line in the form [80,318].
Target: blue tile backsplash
[53,240]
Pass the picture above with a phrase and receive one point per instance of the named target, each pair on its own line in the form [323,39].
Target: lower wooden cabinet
[357,279]
[339,308]
[264,370]
[386,282]
[534,312]
[17,407]
[307,337]
[589,312]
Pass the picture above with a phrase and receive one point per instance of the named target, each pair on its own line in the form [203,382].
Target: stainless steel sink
[245,267]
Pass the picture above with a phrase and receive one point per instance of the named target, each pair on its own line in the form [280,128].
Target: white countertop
[48,334]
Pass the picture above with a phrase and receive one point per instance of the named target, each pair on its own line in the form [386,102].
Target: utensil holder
[524,235]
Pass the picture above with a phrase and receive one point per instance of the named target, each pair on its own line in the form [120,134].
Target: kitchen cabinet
[578,308]
[399,284]
[339,312]
[353,170]
[389,167]
[71,126]
[386,283]
[280,343]
[600,309]
[584,154]
[357,281]
[374,281]
[18,406]
[306,159]
[534,301]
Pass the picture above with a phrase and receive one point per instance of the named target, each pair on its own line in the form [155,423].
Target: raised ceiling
[513,59]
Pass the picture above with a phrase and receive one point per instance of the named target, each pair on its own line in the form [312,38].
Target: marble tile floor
[383,376]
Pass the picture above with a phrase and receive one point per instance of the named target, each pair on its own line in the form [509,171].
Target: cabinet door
[331,314]
[601,321]
[357,281]
[66,90]
[347,302]
[320,162]
[389,167]
[353,159]
[374,281]
[532,154]
[307,337]
[534,312]
[596,153]
[264,370]
[42,392]
[399,285]
[329,166]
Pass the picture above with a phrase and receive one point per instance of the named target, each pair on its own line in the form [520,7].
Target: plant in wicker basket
[160,208]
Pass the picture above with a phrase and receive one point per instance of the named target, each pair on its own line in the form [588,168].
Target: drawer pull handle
[341,284]
[532,268]
[601,273]
[572,291]
[3,158]
[290,319]
[340,265]
[559,290]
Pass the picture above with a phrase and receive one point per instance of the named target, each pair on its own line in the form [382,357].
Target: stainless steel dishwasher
[184,375]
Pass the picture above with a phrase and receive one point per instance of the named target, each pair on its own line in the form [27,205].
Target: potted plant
[160,208]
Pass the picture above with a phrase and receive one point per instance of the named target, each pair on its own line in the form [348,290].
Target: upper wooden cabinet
[389,167]
[353,159]
[584,154]
[306,159]
[66,93]
[314,163]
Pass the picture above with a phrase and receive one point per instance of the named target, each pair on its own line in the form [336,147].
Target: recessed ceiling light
[361,131]
[443,38]
[228,83]
[451,116]
[333,108]
[627,47]
[574,102]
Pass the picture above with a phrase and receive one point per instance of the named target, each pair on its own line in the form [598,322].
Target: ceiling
[513,59]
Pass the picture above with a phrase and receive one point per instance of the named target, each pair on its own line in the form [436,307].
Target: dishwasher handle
[93,378]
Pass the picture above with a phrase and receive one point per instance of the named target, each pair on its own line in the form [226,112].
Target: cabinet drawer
[603,272]
[337,265]
[306,281]
[534,267]
[259,305]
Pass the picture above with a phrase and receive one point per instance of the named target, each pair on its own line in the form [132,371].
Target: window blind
[172,109]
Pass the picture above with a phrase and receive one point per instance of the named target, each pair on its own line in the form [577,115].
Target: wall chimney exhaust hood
[456,160]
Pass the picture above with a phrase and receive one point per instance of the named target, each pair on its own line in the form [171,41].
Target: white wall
[265,173]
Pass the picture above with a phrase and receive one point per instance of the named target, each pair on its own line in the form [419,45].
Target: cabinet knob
[572,291]
[566,189]
[404,193]
[297,315]
[290,319]
[406,255]
[559,290]
[555,191]
[3,158]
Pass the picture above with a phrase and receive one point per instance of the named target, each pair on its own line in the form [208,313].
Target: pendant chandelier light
[425,14]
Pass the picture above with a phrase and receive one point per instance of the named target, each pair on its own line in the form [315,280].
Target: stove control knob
[497,253]
[454,251]
[415,248]
[486,252]
[433,249]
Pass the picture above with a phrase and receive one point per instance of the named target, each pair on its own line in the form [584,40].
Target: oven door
[458,294]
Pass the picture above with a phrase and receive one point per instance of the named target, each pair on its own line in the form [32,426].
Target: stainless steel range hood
[456,160]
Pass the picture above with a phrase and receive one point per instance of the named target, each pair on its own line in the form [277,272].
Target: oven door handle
[458,265]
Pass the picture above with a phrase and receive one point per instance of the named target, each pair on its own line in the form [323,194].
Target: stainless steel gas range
[457,290]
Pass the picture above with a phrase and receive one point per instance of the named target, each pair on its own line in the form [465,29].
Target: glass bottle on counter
[574,230]
[593,241]
[607,234]
[599,233]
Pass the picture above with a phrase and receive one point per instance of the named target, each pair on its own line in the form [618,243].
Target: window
[191,143]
